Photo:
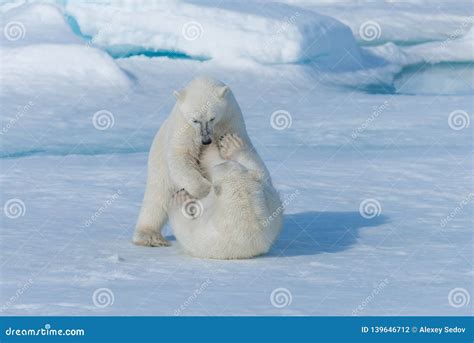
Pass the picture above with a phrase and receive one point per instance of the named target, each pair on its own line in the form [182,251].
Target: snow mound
[412,22]
[54,65]
[422,66]
[228,34]
[451,50]
[39,50]
[35,24]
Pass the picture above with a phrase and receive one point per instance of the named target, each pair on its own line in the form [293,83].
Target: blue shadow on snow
[311,233]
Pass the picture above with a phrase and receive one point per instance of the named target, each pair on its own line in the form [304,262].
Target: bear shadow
[311,233]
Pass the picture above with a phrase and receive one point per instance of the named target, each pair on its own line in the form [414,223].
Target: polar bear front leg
[185,173]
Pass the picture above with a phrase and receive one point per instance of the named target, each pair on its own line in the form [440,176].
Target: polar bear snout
[206,132]
[206,140]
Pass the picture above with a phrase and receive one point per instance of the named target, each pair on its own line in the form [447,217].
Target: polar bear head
[203,104]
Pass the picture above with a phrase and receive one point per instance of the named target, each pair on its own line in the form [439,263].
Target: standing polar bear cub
[239,218]
[204,110]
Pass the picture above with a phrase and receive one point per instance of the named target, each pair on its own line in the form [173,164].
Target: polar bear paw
[229,145]
[149,238]
[179,198]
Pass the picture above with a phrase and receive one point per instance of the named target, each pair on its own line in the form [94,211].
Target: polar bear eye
[212,119]
[195,121]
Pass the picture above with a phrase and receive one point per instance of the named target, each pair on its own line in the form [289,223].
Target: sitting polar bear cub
[234,220]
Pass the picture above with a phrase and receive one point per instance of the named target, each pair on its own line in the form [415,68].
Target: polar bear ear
[179,95]
[222,91]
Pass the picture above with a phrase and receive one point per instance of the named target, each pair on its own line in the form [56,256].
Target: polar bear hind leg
[152,218]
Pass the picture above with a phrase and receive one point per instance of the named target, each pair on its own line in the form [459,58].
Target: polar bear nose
[206,140]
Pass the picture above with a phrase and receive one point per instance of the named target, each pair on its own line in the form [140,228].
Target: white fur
[174,155]
[242,215]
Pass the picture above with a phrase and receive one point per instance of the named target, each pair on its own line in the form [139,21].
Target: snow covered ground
[372,153]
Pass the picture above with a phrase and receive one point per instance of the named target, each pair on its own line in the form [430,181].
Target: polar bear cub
[240,218]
